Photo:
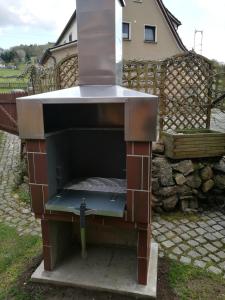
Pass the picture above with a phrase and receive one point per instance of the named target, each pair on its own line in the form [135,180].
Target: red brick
[45,193]
[40,163]
[134,172]
[130,148]
[47,250]
[146,170]
[130,205]
[142,271]
[143,240]
[141,148]
[141,207]
[37,198]
[42,145]
[30,163]
[32,146]
[118,222]
[45,232]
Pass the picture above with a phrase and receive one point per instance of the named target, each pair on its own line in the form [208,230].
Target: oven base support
[113,270]
[57,238]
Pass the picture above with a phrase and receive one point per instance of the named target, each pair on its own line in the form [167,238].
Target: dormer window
[150,34]
[126,31]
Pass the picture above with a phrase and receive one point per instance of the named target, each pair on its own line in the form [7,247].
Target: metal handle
[83,229]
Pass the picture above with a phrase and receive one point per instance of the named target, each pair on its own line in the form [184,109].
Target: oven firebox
[89,149]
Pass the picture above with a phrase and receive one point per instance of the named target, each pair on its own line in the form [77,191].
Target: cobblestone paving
[13,212]
[200,242]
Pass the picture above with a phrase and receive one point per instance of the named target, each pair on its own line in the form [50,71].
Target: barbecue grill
[89,147]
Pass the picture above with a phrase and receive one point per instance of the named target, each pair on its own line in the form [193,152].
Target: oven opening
[87,161]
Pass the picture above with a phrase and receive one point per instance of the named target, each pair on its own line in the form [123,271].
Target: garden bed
[193,143]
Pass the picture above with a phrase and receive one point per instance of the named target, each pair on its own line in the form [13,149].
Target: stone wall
[187,185]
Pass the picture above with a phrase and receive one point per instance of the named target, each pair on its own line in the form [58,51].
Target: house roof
[170,18]
[48,51]
[72,18]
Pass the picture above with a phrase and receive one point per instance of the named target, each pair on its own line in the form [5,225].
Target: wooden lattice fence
[183,84]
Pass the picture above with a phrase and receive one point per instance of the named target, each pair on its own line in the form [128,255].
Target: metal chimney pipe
[99,33]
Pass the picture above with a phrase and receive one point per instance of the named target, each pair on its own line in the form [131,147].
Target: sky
[32,21]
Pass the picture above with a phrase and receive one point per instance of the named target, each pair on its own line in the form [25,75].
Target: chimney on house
[99,31]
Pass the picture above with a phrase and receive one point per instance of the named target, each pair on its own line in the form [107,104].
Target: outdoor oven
[89,148]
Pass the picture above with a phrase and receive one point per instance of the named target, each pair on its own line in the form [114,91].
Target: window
[70,37]
[126,31]
[150,33]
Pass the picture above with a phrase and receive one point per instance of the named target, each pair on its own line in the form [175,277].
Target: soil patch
[27,290]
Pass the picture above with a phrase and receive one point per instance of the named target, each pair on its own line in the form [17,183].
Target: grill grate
[98,184]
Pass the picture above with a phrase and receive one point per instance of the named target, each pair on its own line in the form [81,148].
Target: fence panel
[8,113]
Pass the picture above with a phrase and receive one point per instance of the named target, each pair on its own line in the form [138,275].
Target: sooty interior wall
[85,153]
[98,153]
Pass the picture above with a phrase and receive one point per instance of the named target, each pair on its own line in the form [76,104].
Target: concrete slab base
[107,269]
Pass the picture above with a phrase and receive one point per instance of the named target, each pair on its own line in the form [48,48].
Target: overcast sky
[32,21]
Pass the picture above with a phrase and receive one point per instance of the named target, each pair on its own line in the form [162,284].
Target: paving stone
[200,231]
[221,254]
[217,227]
[218,235]
[192,243]
[185,221]
[214,257]
[161,254]
[178,230]
[167,244]
[199,263]
[201,240]
[176,240]
[185,260]
[172,256]
[207,259]
[222,265]
[161,238]
[210,248]
[156,225]
[202,224]
[184,228]
[169,234]
[184,247]
[193,254]
[217,244]
[202,250]
[210,237]
[192,225]
[214,270]
[177,251]
[209,229]
[155,232]
[185,236]
[192,233]
[163,229]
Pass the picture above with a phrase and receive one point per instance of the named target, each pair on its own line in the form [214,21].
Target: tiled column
[37,172]
[139,200]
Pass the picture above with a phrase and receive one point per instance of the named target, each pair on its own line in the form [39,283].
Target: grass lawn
[15,253]
[12,72]
[190,283]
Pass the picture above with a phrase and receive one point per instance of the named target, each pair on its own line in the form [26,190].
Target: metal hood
[99,34]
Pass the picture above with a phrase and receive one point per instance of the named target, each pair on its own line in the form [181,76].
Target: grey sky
[32,21]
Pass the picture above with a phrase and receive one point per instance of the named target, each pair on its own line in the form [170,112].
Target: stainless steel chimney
[99,30]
